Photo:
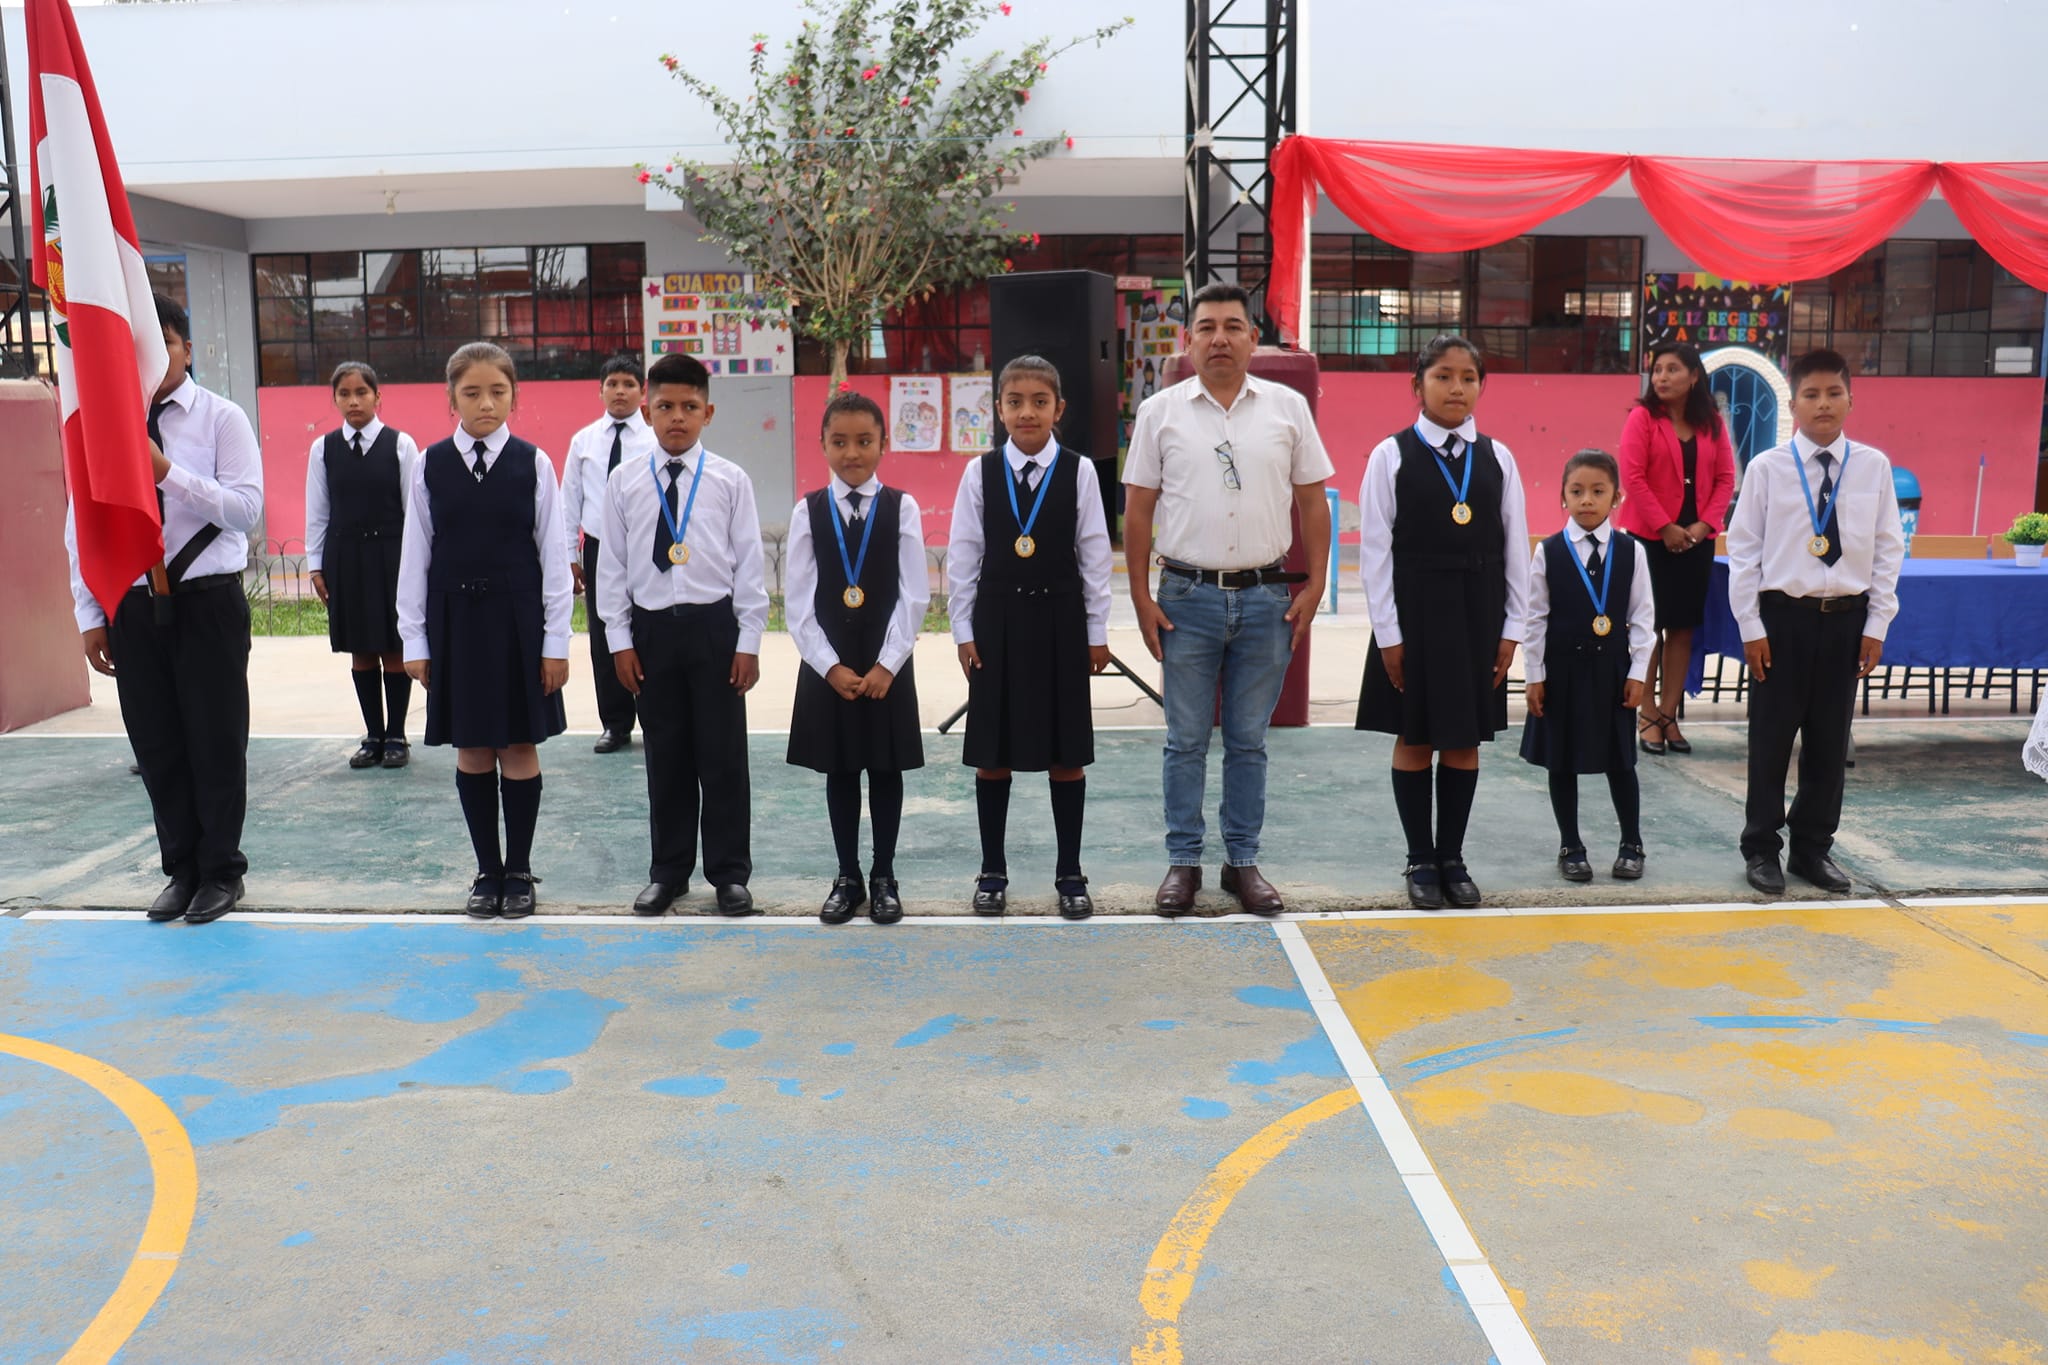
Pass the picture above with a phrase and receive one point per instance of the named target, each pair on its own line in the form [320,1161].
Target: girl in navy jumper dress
[1592,624]
[483,613]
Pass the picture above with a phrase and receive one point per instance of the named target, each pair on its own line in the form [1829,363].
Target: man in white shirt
[621,436]
[1222,462]
[181,666]
[1814,550]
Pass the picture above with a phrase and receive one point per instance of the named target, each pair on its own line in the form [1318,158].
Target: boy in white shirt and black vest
[1814,550]
[684,597]
[619,437]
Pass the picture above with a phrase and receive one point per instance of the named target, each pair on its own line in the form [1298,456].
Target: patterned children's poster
[974,418]
[917,406]
[1153,314]
[718,317]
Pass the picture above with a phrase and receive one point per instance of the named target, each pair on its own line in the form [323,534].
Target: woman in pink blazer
[1677,475]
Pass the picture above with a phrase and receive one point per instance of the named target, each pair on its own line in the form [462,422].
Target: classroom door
[1749,406]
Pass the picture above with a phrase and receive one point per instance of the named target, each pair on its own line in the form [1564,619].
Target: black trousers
[184,689]
[696,743]
[1810,696]
[614,702]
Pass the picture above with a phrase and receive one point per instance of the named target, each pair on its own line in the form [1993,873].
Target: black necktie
[662,538]
[618,445]
[1830,524]
[357,442]
[480,468]
[1024,478]
[853,506]
[156,433]
[1451,446]
[1593,559]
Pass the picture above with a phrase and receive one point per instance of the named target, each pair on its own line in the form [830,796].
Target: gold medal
[679,553]
[1817,547]
[853,596]
[1026,547]
[1462,513]
[1602,626]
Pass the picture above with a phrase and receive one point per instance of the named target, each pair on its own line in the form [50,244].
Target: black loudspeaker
[1069,317]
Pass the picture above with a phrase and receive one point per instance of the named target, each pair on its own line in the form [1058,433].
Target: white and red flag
[109,346]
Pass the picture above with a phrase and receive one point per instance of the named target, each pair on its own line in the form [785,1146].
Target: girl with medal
[854,616]
[1444,559]
[484,594]
[1592,627]
[1028,571]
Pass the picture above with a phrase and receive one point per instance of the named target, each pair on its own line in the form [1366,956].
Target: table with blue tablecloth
[1953,613]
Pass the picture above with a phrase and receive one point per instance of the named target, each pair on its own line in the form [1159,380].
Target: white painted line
[1505,1331]
[1971,900]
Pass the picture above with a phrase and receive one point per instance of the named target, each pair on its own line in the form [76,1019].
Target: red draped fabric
[1768,220]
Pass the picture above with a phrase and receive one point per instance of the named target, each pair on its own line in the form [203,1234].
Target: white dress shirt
[1202,521]
[1768,535]
[1376,530]
[215,479]
[1642,608]
[588,466]
[724,537]
[317,511]
[417,550]
[799,604]
[970,540]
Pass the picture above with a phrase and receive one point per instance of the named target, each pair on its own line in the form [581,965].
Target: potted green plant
[2028,534]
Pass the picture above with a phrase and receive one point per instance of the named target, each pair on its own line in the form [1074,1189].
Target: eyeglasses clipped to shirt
[1230,479]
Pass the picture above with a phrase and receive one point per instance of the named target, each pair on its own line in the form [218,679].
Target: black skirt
[1450,629]
[484,688]
[362,593]
[1028,706]
[1584,727]
[829,734]
[1679,582]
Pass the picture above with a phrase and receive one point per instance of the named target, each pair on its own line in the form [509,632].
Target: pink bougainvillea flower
[871,73]
[845,387]
[760,47]
[1036,239]
[644,177]
[1016,132]
[669,169]
[1004,7]
[849,132]
[1041,68]
[1008,265]
[1023,97]
[792,80]
[1070,144]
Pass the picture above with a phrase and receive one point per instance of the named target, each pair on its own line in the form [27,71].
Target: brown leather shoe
[1177,893]
[1253,891]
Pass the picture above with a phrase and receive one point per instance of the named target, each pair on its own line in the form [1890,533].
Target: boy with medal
[684,599]
[1814,550]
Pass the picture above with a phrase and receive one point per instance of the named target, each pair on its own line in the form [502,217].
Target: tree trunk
[840,349]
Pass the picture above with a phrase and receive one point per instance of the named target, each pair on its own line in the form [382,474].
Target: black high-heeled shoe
[1650,727]
[1677,744]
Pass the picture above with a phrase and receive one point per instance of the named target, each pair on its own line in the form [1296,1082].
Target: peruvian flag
[110,348]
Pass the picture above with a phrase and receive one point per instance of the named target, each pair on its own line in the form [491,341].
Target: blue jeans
[1238,637]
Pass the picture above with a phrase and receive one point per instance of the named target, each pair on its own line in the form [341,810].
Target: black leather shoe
[518,900]
[658,897]
[485,895]
[1628,864]
[1177,892]
[1762,871]
[1458,887]
[884,905]
[172,902]
[1425,886]
[397,753]
[369,755]
[1075,903]
[213,900]
[735,900]
[1252,890]
[611,741]
[1572,864]
[843,901]
[991,895]
[1820,870]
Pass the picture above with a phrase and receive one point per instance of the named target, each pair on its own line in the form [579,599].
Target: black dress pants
[184,689]
[614,702]
[1810,696]
[695,728]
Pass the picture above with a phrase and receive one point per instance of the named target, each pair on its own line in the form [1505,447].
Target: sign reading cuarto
[720,318]
[1708,312]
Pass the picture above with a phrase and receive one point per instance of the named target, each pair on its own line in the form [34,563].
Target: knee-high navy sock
[522,813]
[992,808]
[1627,791]
[397,701]
[1564,804]
[479,794]
[1411,799]
[885,813]
[1455,788]
[842,805]
[1069,802]
[370,697]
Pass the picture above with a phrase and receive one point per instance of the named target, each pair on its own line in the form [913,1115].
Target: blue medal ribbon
[1813,512]
[1606,574]
[676,529]
[853,566]
[1044,482]
[1458,490]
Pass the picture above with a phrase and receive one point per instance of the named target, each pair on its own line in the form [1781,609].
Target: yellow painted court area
[1798,1136]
